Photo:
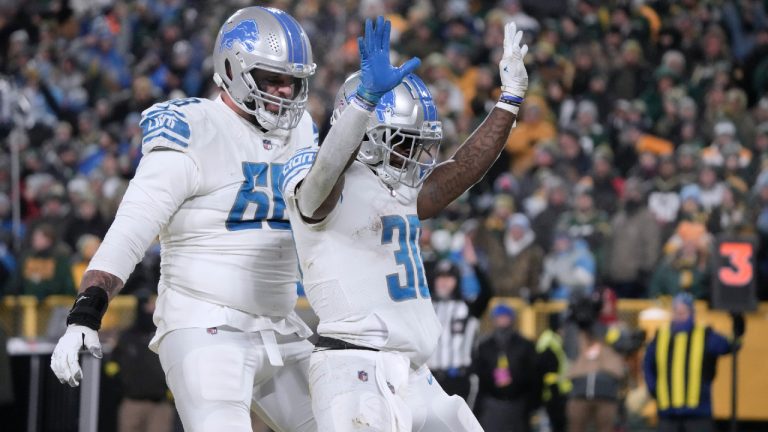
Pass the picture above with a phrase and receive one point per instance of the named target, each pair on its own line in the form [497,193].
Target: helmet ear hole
[228,69]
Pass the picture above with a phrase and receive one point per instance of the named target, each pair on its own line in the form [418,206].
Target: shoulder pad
[168,124]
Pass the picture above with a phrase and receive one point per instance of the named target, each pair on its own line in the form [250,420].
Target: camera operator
[597,374]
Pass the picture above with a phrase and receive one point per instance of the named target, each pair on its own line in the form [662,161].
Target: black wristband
[89,308]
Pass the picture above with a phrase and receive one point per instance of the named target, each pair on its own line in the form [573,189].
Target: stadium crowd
[644,134]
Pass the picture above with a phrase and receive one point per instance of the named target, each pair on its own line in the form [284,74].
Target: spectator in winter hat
[504,363]
[514,260]
[711,188]
[633,247]
[725,140]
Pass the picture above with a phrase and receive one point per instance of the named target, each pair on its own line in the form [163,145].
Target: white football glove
[514,77]
[64,361]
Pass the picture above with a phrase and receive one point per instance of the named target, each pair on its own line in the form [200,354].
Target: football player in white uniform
[227,334]
[355,206]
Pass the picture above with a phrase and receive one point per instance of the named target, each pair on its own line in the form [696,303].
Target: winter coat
[510,351]
[509,274]
[634,246]
[569,271]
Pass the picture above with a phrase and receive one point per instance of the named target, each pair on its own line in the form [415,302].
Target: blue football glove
[377,75]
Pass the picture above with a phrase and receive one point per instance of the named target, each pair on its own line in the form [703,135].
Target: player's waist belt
[327,343]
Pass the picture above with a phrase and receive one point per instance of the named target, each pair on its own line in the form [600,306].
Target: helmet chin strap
[262,117]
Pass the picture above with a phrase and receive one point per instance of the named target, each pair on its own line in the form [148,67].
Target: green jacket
[44,274]
[671,279]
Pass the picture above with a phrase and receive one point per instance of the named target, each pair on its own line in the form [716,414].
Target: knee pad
[451,414]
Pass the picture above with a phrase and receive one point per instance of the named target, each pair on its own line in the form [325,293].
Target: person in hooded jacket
[514,258]
[510,384]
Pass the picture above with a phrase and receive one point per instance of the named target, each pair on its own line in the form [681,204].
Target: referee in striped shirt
[450,363]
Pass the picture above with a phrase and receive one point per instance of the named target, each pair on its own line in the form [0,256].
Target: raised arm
[473,158]
[320,190]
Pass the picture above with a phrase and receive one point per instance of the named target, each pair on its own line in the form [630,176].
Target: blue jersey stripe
[155,113]
[171,132]
[166,122]
[169,137]
[293,34]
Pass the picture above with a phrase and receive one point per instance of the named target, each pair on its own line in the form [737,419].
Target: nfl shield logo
[362,376]
[267,144]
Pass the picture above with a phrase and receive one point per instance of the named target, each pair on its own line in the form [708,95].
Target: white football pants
[218,376]
[369,391]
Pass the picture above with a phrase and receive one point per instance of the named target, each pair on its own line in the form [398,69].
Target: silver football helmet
[403,138]
[271,40]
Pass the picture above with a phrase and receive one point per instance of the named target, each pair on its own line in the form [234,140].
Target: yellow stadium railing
[33,317]
[21,310]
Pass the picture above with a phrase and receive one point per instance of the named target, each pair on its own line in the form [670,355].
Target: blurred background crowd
[643,137]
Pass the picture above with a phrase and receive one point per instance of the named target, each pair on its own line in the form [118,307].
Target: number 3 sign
[733,284]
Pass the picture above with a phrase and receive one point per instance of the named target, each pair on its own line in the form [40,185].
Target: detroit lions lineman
[355,206]
[227,335]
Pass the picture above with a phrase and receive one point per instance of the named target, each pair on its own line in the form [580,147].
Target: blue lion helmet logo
[247,33]
[386,103]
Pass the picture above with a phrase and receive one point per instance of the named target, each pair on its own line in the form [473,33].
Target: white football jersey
[362,267]
[228,242]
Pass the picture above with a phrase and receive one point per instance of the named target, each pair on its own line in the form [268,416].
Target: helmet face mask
[407,156]
[289,110]
[257,39]
[402,141]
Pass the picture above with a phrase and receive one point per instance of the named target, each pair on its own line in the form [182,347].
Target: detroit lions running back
[355,206]
[227,335]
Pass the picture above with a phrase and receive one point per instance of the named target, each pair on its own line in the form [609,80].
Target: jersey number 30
[407,255]
[259,190]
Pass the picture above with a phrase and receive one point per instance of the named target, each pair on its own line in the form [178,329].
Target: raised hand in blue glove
[377,75]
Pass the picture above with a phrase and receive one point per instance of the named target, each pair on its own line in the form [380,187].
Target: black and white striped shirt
[454,350]
[460,321]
